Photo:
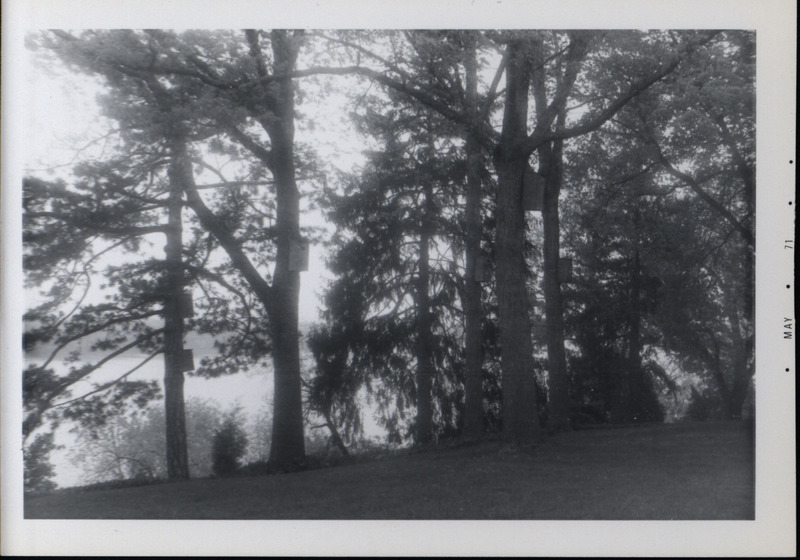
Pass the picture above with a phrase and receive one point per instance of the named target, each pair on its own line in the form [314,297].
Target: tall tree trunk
[744,365]
[424,353]
[634,371]
[742,374]
[717,368]
[641,401]
[740,365]
[177,454]
[743,343]
[288,441]
[473,344]
[281,299]
[550,166]
[520,414]
[558,409]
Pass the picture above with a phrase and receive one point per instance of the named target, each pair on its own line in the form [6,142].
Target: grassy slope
[687,471]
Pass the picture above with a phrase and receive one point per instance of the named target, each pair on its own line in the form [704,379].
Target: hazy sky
[774,529]
[64,125]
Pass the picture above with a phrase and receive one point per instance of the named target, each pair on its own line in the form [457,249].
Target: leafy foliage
[693,228]
[229,445]
[401,209]
[132,444]
[38,471]
[657,134]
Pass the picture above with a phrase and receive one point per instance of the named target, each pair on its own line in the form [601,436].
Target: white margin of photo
[773,532]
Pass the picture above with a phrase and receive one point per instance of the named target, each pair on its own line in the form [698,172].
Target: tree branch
[491,95]
[537,139]
[76,375]
[576,52]
[131,231]
[97,328]
[110,383]
[220,230]
[254,147]
[707,198]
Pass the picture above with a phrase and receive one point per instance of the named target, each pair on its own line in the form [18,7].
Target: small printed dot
[787,370]
[788,286]
[791,161]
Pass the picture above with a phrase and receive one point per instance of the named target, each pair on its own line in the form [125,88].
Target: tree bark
[520,414]
[280,299]
[558,381]
[473,344]
[288,440]
[741,349]
[424,353]
[634,371]
[175,413]
[550,166]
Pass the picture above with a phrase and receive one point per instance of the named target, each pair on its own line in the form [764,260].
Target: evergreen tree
[392,305]
[229,445]
[240,85]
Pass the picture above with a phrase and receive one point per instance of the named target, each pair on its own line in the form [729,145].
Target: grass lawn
[690,471]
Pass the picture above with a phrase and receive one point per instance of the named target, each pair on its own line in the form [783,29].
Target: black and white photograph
[362,281]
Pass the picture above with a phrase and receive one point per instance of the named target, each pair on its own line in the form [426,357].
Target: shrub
[229,445]
[38,471]
[701,406]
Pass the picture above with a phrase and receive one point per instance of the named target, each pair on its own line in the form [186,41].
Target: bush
[38,471]
[701,406]
[229,445]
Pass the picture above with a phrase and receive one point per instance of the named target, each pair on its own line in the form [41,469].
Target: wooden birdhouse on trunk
[298,255]
[532,190]
[186,305]
[187,360]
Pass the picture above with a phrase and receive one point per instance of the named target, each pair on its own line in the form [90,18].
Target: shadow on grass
[680,471]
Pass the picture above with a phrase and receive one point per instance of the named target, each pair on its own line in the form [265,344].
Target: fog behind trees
[545,229]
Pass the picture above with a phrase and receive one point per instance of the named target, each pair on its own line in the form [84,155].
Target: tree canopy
[637,147]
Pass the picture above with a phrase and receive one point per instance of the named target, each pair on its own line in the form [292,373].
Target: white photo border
[772,533]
